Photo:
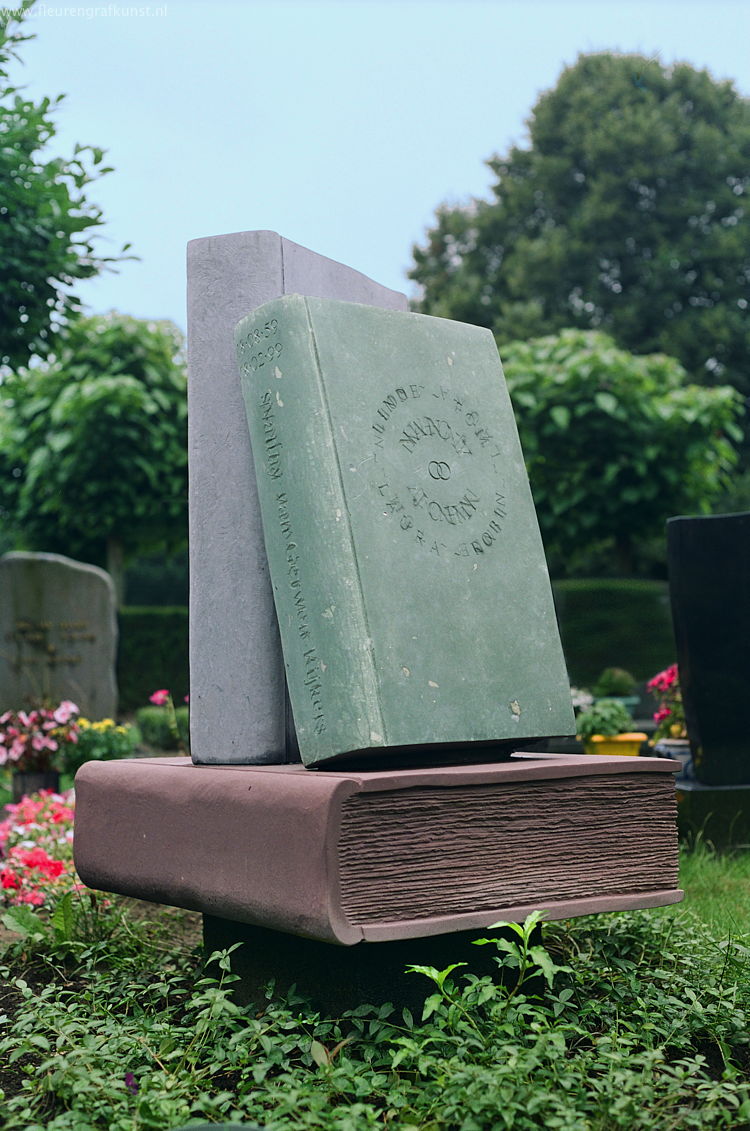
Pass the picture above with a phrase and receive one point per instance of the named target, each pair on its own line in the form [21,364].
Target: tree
[615,444]
[627,212]
[46,221]
[93,443]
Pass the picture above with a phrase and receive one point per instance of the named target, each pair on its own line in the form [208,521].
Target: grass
[717,888]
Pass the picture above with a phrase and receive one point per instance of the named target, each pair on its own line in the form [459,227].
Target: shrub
[99,742]
[156,729]
[614,682]
[605,716]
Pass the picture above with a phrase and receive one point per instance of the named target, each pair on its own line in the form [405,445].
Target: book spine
[316,585]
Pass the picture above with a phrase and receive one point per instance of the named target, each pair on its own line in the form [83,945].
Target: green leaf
[63,917]
[319,1053]
[542,959]
[23,921]
[607,403]
[561,416]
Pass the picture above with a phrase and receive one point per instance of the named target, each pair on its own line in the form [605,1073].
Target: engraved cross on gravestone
[58,634]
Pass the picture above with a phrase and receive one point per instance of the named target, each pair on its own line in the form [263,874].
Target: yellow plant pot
[628,744]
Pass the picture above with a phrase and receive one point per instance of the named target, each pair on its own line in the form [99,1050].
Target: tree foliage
[627,212]
[93,443]
[46,222]
[614,443]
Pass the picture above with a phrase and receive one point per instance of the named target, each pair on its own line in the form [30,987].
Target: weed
[631,1021]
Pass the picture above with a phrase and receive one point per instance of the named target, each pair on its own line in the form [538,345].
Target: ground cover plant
[634,1020]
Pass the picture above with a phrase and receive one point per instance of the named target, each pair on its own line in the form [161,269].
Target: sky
[340,124]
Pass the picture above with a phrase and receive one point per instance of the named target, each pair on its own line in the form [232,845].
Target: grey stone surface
[237,688]
[58,634]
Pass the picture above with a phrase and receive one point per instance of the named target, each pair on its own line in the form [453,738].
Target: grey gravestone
[238,702]
[58,634]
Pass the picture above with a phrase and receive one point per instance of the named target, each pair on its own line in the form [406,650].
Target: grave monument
[709,562]
[408,570]
[409,819]
[58,634]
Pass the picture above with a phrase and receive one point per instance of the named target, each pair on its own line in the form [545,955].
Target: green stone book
[408,572]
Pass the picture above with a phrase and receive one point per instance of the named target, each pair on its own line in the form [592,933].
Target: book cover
[408,571]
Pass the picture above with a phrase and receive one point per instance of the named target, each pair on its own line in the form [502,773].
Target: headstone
[238,704]
[58,634]
[270,845]
[407,566]
[709,567]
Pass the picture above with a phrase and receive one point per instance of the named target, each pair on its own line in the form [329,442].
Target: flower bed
[36,850]
[34,741]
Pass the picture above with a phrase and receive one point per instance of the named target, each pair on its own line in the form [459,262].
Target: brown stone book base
[351,856]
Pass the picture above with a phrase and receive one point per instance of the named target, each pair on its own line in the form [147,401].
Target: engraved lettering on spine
[271,443]
[312,664]
[312,683]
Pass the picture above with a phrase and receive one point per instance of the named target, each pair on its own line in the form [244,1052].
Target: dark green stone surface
[408,571]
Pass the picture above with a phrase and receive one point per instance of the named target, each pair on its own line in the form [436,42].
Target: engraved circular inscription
[437,471]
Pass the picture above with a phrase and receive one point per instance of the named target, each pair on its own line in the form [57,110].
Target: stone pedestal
[334,978]
[356,856]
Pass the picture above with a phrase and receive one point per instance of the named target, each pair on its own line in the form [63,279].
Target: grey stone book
[409,576]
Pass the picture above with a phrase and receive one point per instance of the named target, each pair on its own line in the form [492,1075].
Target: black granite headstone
[709,578]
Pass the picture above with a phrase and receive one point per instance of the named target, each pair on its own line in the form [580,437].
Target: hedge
[603,623]
[152,653]
[606,623]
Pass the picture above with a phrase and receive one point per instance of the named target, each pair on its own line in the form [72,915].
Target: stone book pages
[408,572]
[349,856]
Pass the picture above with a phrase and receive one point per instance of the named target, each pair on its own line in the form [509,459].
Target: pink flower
[159,698]
[187,698]
[41,742]
[35,898]
[64,712]
[662,681]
